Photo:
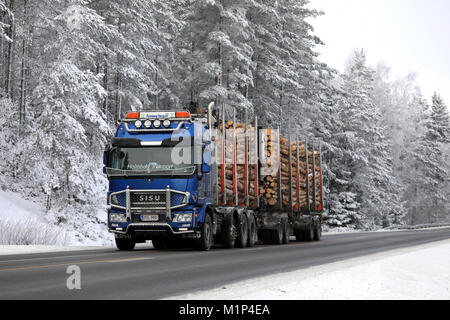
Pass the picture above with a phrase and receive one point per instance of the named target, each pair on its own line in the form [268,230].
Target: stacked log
[275,170]
[237,178]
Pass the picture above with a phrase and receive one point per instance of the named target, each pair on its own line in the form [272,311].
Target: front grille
[148,199]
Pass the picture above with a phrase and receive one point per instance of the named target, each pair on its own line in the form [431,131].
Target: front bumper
[153,229]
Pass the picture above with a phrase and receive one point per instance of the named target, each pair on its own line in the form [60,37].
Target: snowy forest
[69,69]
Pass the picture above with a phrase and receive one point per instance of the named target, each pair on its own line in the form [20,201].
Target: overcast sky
[408,35]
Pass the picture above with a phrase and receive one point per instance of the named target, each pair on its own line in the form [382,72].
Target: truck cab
[159,173]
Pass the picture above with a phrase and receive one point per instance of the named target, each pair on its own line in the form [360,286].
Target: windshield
[150,160]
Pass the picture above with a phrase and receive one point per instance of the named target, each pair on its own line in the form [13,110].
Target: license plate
[149,217]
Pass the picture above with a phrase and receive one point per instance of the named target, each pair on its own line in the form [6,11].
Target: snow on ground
[12,205]
[417,273]
[22,222]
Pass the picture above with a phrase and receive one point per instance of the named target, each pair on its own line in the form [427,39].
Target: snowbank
[13,206]
[22,222]
[405,274]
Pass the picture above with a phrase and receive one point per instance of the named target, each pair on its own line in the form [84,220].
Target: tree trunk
[24,64]
[105,86]
[157,85]
[193,100]
[118,110]
[9,54]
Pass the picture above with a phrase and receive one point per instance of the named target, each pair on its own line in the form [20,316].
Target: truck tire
[309,233]
[242,237]
[206,238]
[265,236]
[277,235]
[252,232]
[125,244]
[299,236]
[159,243]
[285,232]
[317,232]
[229,234]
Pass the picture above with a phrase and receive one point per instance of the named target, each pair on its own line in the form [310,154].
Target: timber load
[290,174]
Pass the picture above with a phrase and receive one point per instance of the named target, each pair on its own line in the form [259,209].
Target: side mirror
[206,165]
[206,168]
[105,157]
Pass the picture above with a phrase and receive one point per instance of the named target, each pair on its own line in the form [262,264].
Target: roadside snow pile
[418,273]
[22,222]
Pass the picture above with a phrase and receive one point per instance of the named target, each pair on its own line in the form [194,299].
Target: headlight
[157,123]
[183,217]
[138,124]
[117,217]
[148,124]
[166,123]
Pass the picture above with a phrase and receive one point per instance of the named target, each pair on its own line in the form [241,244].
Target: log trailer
[200,179]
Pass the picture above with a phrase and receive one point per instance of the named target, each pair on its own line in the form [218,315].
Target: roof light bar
[133,115]
[183,114]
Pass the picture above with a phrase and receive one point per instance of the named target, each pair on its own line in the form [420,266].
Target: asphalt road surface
[147,273]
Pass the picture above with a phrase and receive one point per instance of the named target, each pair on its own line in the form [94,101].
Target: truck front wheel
[125,244]
[206,238]
[159,243]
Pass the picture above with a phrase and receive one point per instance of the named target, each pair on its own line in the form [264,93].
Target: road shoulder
[413,273]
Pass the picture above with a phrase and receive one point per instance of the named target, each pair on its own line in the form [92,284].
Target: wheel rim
[233,233]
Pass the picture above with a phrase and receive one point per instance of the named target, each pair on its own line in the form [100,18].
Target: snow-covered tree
[366,152]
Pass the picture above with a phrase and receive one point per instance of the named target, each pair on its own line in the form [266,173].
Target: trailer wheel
[309,233]
[242,238]
[206,238]
[125,244]
[265,236]
[285,232]
[229,235]
[252,232]
[277,235]
[299,236]
[317,232]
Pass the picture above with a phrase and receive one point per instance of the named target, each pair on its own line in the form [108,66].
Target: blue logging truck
[202,180]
